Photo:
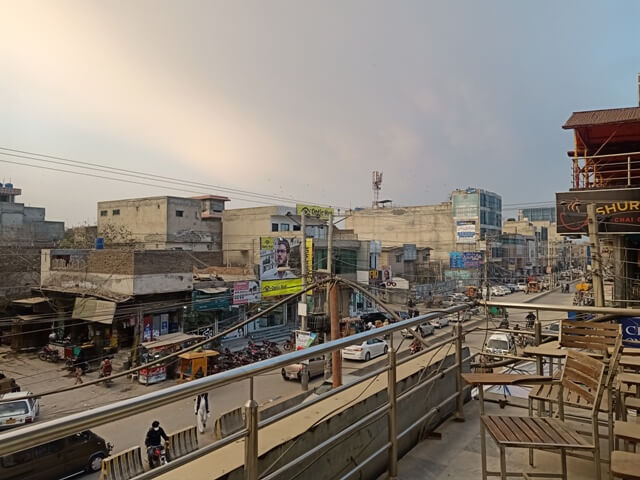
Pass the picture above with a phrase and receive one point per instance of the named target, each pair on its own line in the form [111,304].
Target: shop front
[159,349]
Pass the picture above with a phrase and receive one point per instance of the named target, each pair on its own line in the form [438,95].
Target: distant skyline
[304,100]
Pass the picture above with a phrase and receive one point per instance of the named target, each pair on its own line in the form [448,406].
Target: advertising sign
[154,374]
[304,339]
[273,288]
[617,211]
[387,274]
[465,259]
[279,258]
[323,213]
[246,292]
[465,231]
[630,330]
[147,334]
[455,260]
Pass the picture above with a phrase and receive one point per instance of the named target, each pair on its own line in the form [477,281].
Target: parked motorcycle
[157,456]
[48,354]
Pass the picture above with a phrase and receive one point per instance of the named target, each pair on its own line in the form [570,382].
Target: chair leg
[598,461]
[563,458]
[483,450]
[503,464]
[531,415]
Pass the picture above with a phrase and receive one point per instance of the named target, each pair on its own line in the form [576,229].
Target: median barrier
[123,466]
[230,422]
[182,442]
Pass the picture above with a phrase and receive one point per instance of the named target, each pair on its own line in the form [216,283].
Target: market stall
[157,349]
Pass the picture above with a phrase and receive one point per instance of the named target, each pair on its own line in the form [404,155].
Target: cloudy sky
[303,100]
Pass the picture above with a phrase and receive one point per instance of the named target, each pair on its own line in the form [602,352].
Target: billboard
[617,211]
[273,288]
[246,292]
[279,258]
[386,273]
[465,231]
[465,260]
[323,213]
[630,331]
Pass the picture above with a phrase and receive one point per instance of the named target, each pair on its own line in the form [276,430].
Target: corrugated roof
[602,117]
[30,301]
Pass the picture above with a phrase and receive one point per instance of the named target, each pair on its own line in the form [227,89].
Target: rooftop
[603,117]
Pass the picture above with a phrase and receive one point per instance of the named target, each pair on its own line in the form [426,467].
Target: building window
[115,212]
[103,213]
[399,258]
[296,228]
[274,227]
[284,227]
[179,213]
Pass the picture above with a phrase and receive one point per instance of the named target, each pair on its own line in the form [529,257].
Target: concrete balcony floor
[457,454]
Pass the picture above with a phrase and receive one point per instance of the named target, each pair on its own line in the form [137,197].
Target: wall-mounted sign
[246,292]
[465,231]
[323,213]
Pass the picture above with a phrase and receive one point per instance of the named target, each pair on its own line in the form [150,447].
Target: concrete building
[424,226]
[546,214]
[536,240]
[25,226]
[481,207]
[164,223]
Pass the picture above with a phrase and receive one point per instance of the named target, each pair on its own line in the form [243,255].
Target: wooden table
[481,379]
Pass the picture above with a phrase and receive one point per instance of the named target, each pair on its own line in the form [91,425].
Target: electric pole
[486,270]
[336,359]
[596,266]
[303,261]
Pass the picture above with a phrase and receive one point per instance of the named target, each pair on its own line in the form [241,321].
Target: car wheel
[367,357]
[284,375]
[95,462]
[386,349]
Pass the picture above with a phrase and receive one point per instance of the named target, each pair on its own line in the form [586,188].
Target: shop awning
[30,301]
[171,339]
[94,310]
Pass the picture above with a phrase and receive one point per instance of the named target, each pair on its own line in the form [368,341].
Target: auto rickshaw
[195,364]
[533,286]
[471,291]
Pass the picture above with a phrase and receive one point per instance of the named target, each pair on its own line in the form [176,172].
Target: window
[274,227]
[179,213]
[115,212]
[103,213]
[399,258]
[284,227]
[296,228]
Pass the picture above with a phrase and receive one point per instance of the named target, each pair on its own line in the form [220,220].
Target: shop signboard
[617,210]
[155,374]
[465,231]
[323,213]
[207,299]
[147,329]
[455,260]
[274,288]
[304,339]
[386,273]
[630,330]
[246,292]
[471,259]
[164,323]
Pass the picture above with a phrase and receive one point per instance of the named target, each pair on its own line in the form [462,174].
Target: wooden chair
[583,377]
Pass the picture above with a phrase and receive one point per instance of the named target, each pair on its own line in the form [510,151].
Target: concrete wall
[426,226]
[20,270]
[143,217]
[336,461]
[33,214]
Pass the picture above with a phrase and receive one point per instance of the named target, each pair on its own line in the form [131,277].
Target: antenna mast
[376,182]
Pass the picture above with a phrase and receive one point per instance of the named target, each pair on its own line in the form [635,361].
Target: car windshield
[498,344]
[13,408]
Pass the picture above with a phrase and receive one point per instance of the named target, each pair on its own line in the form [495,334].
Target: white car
[505,290]
[496,291]
[424,329]
[16,409]
[367,350]
[521,287]
[440,322]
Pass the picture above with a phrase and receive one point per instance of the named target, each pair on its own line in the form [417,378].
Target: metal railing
[36,434]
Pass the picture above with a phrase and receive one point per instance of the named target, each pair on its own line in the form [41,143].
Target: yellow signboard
[323,213]
[266,243]
[274,288]
[309,259]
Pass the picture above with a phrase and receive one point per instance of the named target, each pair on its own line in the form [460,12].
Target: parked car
[367,350]
[16,409]
[424,329]
[440,322]
[402,315]
[496,291]
[373,317]
[506,290]
[522,286]
[57,459]
[315,367]
[512,287]
[460,297]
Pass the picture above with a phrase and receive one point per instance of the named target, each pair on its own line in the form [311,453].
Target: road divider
[230,422]
[182,442]
[122,466]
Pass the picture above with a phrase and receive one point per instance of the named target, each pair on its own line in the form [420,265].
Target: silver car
[440,322]
[424,329]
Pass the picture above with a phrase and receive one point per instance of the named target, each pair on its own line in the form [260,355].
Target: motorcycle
[415,347]
[72,364]
[157,456]
[49,355]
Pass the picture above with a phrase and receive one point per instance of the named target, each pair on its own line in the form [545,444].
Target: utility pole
[336,359]
[303,261]
[596,266]
[486,269]
[329,359]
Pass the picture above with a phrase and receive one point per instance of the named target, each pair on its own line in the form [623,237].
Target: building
[605,172]
[125,297]
[538,214]
[479,208]
[423,226]
[163,223]
[25,226]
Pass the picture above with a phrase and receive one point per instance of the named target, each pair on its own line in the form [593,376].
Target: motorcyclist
[106,368]
[531,318]
[154,438]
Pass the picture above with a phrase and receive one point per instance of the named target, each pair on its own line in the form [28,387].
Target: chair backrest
[583,376]
[614,361]
[596,336]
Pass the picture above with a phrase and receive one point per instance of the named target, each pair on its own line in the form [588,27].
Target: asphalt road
[270,386]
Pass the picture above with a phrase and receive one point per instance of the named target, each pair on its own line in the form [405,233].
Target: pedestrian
[78,375]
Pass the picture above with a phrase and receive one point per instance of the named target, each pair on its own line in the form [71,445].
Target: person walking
[78,375]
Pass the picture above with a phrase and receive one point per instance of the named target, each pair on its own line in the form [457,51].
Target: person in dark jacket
[155,435]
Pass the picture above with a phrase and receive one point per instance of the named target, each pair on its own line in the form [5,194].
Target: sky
[304,100]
